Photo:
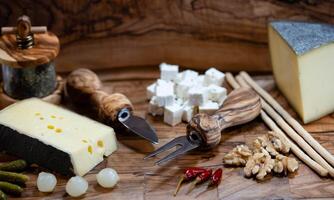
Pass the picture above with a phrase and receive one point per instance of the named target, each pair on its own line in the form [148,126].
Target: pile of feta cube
[178,96]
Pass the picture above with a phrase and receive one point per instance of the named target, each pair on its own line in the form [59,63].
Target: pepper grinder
[26,54]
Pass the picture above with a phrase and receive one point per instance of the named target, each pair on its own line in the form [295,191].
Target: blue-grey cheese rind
[304,36]
[34,151]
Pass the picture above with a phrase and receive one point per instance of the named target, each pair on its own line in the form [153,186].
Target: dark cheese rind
[304,36]
[34,151]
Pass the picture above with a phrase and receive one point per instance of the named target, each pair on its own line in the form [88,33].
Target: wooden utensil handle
[85,88]
[109,105]
[241,106]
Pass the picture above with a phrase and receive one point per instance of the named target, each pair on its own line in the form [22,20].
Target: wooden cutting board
[142,180]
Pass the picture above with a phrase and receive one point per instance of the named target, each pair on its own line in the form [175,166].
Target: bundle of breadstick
[302,144]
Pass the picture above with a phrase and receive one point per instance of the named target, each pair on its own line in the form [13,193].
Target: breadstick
[230,79]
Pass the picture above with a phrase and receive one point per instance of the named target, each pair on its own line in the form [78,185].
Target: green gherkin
[14,166]
[13,177]
[10,188]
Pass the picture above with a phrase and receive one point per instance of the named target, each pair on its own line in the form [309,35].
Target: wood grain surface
[142,180]
[231,35]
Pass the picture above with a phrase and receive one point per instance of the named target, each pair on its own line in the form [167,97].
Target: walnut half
[285,164]
[238,156]
[280,144]
[260,164]
[272,143]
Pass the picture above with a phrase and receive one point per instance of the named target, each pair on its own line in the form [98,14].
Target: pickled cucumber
[14,166]
[13,177]
[10,188]
[3,196]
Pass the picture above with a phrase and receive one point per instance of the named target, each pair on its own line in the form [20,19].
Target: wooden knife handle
[241,106]
[83,87]
[108,106]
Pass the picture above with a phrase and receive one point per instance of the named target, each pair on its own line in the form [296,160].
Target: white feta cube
[153,107]
[165,93]
[178,78]
[217,94]
[188,113]
[168,72]
[168,84]
[165,100]
[182,89]
[209,107]
[213,76]
[200,80]
[161,82]
[197,96]
[178,101]
[150,90]
[173,114]
[189,75]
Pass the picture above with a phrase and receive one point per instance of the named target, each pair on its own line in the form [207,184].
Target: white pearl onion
[76,186]
[46,182]
[107,178]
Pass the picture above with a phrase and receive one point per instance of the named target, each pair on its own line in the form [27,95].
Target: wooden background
[100,34]
[132,36]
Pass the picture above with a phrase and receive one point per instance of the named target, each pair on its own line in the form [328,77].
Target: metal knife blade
[138,126]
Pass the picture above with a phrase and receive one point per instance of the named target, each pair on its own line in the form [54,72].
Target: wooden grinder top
[45,48]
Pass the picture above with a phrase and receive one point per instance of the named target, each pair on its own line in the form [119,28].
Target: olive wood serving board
[143,180]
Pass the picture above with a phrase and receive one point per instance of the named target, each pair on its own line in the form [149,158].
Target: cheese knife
[204,131]
[83,87]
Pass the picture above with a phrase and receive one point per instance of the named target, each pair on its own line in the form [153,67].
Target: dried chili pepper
[189,174]
[201,179]
[216,177]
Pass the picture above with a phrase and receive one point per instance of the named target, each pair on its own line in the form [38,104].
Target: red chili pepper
[189,174]
[216,177]
[201,179]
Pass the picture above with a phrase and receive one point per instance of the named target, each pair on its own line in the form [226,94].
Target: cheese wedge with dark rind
[54,137]
[303,66]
